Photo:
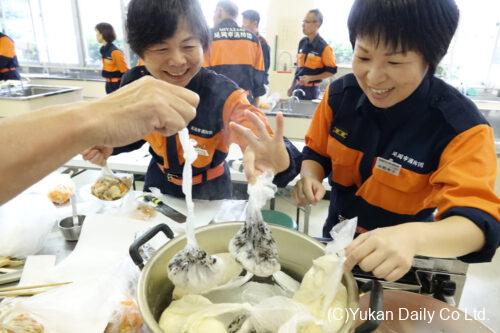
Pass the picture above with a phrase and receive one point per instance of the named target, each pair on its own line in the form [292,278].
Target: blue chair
[278,218]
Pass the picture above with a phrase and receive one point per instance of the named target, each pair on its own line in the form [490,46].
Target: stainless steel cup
[69,231]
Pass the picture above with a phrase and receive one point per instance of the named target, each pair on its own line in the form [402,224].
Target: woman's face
[386,76]
[99,38]
[177,59]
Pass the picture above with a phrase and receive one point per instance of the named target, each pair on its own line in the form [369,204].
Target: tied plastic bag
[25,223]
[253,245]
[11,322]
[321,289]
[87,305]
[126,319]
[282,315]
[195,313]
[61,189]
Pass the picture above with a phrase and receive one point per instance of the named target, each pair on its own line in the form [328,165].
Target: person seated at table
[406,153]
[170,36]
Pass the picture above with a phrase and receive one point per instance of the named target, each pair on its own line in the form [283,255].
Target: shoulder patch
[342,83]
[457,110]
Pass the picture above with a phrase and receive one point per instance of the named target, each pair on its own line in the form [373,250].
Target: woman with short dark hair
[403,149]
[114,64]
[170,36]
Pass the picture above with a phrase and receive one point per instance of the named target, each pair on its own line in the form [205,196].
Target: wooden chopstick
[17,288]
[20,293]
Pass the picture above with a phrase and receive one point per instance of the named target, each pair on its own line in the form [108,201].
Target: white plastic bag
[321,289]
[85,306]
[253,245]
[195,313]
[25,223]
[270,314]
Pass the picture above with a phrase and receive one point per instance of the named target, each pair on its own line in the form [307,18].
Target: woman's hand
[263,151]
[97,154]
[385,252]
[308,190]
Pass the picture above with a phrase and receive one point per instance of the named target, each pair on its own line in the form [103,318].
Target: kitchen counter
[34,97]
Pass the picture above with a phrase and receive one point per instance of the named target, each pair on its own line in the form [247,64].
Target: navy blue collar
[397,114]
[227,23]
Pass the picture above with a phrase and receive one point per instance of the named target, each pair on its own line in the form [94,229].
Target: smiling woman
[170,37]
[402,149]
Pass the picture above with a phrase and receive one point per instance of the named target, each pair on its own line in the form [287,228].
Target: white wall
[285,23]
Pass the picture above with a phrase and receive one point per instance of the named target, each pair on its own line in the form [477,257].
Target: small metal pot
[70,231]
[296,251]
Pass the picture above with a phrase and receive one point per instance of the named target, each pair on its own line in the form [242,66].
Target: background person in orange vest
[113,60]
[251,20]
[315,58]
[8,59]
[236,52]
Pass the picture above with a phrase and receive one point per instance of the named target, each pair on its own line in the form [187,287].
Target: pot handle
[143,239]
[376,305]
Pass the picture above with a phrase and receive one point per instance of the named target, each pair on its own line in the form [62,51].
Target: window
[93,12]
[334,29]
[473,58]
[17,23]
[58,31]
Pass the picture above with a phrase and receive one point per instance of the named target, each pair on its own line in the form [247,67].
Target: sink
[294,108]
[17,98]
[28,92]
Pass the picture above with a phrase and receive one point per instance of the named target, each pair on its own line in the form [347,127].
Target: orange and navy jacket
[113,63]
[428,157]
[315,58]
[266,53]
[236,53]
[8,59]
[221,102]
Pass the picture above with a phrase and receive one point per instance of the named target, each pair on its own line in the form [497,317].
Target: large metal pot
[296,251]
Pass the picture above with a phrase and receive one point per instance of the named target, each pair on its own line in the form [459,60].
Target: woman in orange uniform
[8,59]
[113,60]
[407,154]
[170,36]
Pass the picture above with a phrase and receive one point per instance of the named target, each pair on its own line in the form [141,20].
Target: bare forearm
[35,144]
[452,237]
[312,169]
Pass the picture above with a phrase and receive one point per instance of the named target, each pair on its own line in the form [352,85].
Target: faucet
[294,99]
[300,91]
[285,67]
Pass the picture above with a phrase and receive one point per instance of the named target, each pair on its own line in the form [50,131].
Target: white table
[137,162]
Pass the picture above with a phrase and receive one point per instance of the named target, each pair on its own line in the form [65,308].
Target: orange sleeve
[206,57]
[7,48]
[467,172]
[328,57]
[259,58]
[119,59]
[319,129]
[234,110]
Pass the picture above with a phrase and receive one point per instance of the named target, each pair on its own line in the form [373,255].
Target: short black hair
[251,15]
[318,15]
[107,32]
[151,22]
[424,26]
[229,7]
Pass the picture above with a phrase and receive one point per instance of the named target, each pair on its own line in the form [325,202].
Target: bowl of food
[109,191]
[109,188]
